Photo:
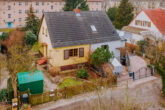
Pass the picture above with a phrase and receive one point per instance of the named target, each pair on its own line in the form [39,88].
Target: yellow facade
[57,56]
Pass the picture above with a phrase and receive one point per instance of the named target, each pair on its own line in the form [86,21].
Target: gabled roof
[157,16]
[67,29]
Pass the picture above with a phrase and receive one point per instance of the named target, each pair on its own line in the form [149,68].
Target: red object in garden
[42,61]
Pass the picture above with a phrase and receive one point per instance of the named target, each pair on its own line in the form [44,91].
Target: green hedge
[3,95]
[10,92]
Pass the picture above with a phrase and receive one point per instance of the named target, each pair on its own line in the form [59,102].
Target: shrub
[131,47]
[54,71]
[100,56]
[4,36]
[3,94]
[10,93]
[30,38]
[82,74]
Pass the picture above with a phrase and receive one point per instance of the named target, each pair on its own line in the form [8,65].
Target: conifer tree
[124,14]
[32,21]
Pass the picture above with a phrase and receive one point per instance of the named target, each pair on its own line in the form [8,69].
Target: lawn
[7,30]
[69,82]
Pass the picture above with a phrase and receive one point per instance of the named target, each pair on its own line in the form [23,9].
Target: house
[68,38]
[14,12]
[148,22]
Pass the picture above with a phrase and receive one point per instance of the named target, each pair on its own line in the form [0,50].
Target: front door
[9,24]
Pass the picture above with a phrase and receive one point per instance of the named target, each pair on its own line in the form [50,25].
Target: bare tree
[19,59]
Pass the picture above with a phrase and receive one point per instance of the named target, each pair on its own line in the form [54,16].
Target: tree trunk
[14,84]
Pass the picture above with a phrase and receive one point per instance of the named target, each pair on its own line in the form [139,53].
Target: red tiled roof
[157,16]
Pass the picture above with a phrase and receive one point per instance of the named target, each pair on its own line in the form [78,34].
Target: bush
[10,92]
[100,56]
[82,74]
[54,71]
[30,38]
[4,36]
[3,94]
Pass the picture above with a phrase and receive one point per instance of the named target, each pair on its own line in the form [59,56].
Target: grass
[69,82]
[7,30]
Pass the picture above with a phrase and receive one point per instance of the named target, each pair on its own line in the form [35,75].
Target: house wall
[42,38]
[18,9]
[57,56]
[112,47]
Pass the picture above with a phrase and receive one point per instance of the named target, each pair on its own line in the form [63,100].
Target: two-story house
[148,22]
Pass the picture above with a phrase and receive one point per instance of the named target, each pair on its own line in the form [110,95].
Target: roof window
[93,28]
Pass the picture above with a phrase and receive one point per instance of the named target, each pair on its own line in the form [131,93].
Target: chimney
[77,11]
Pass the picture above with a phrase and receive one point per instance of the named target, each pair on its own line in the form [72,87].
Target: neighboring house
[68,38]
[14,12]
[137,4]
[148,22]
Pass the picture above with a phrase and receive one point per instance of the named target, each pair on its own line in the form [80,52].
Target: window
[26,3]
[20,3]
[145,23]
[96,3]
[9,7]
[37,3]
[137,22]
[20,11]
[81,52]
[93,28]
[51,6]
[60,3]
[37,11]
[26,11]
[9,15]
[73,52]
[20,19]
[43,3]
[104,46]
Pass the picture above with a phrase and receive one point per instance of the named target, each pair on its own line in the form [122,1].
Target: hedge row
[68,92]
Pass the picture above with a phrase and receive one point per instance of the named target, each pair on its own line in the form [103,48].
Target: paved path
[48,84]
[144,92]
